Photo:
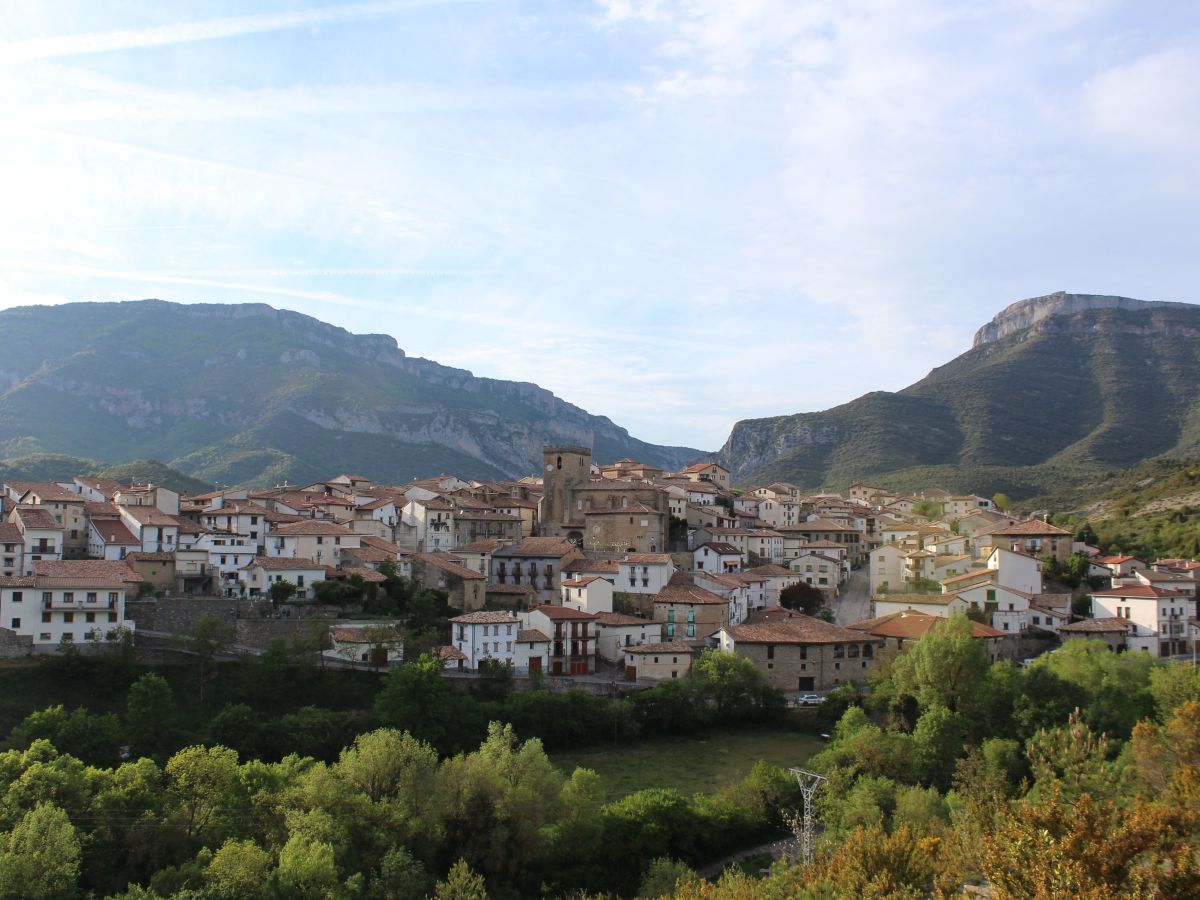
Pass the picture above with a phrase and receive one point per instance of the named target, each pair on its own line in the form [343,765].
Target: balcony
[78,604]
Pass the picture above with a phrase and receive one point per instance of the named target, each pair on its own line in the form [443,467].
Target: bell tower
[563,467]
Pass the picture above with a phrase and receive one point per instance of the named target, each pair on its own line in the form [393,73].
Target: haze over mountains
[1060,386]
[245,393]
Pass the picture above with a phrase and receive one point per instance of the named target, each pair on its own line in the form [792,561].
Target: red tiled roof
[798,629]
[912,624]
[312,527]
[485,618]
[278,563]
[562,612]
[1140,591]
[113,531]
[1097,626]
[665,647]
[448,564]
[86,569]
[531,636]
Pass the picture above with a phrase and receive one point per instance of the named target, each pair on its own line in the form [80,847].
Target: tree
[208,639]
[40,856]
[400,877]
[734,687]
[937,744]
[803,597]
[281,591]
[307,868]
[148,709]
[1001,502]
[662,876]
[461,884]
[199,781]
[239,869]
[94,739]
[946,667]
[416,697]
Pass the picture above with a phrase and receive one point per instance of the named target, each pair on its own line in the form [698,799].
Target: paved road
[854,604]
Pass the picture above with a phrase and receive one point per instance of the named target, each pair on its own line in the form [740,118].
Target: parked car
[810,700]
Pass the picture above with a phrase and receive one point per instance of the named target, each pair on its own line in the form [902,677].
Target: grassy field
[694,764]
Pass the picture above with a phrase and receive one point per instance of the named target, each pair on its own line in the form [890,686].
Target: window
[44,636]
[89,617]
[68,617]
[46,617]
[770,651]
[691,632]
[112,596]
[68,596]
[991,596]
[91,597]
[670,631]
[670,615]
[112,617]
[17,596]
[16,623]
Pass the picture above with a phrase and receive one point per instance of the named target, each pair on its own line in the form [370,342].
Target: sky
[675,213]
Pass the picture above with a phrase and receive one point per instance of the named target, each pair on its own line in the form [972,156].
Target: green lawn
[700,764]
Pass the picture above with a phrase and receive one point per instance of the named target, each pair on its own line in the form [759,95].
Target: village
[619,571]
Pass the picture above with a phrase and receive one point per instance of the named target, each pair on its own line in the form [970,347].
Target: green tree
[416,697]
[200,780]
[400,877]
[461,883]
[802,597]
[937,744]
[1001,502]
[149,706]
[239,869]
[281,591]
[94,739]
[662,876]
[208,638]
[40,857]
[733,687]
[307,868]
[1173,685]
[946,667]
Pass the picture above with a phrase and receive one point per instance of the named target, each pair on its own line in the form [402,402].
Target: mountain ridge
[246,393]
[1073,389]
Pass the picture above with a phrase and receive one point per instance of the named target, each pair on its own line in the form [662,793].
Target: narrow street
[854,604]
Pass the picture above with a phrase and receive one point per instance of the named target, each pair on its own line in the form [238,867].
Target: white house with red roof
[480,636]
[72,600]
[320,541]
[572,635]
[617,631]
[1158,617]
[1119,565]
[110,539]
[715,556]
[264,571]
[589,593]
[644,573]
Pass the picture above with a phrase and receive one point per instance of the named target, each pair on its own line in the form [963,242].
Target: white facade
[82,600]
[588,594]
[615,632]
[485,635]
[1159,617]
[642,575]
[259,577]
[1016,570]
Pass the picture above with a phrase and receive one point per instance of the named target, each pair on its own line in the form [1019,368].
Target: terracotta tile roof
[449,653]
[972,576]
[591,567]
[912,624]
[49,492]
[485,618]
[485,515]
[451,565]
[925,599]
[722,549]
[370,540]
[531,636]
[1141,591]
[113,531]
[1097,626]
[769,571]
[359,634]
[368,575]
[95,508]
[648,559]
[157,556]
[366,554]
[582,581]
[480,546]
[149,515]
[660,648]
[563,612]
[1032,528]
[618,620]
[279,563]
[313,527]
[17,581]
[10,534]
[799,629]
[1114,560]
[537,546]
[37,517]
[1046,611]
[105,570]
[689,595]
[508,589]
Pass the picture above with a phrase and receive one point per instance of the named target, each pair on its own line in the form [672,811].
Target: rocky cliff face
[1066,380]
[1026,313]
[247,393]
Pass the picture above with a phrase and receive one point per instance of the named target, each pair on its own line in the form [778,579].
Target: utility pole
[810,783]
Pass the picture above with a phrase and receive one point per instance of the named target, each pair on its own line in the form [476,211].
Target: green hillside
[247,394]
[1060,402]
[61,467]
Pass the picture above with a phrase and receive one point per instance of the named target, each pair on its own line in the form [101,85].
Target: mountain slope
[1068,383]
[244,393]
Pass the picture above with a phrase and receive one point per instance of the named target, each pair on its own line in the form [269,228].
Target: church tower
[563,467]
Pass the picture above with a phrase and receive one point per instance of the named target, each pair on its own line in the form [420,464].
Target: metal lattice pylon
[810,783]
